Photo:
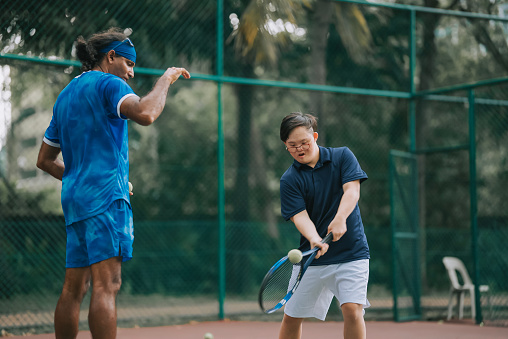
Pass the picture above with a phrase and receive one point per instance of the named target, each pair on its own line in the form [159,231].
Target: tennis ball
[208,335]
[130,187]
[295,256]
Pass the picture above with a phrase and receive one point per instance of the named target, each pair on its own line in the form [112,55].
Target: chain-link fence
[492,176]
[462,175]
[358,84]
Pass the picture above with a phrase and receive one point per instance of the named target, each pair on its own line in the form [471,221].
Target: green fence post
[412,90]
[415,180]
[474,204]
[220,161]
[394,241]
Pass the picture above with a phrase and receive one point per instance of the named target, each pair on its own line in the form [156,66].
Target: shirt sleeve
[115,90]
[350,168]
[51,135]
[291,200]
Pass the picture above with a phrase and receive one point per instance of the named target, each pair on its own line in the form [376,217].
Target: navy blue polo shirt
[319,191]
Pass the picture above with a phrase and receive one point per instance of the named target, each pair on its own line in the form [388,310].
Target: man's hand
[316,242]
[308,230]
[146,110]
[338,228]
[174,73]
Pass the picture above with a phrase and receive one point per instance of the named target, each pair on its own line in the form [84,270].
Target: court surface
[311,330]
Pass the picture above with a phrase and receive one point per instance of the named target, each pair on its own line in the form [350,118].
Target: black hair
[294,120]
[88,51]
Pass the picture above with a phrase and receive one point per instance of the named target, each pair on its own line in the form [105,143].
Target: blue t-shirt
[319,191]
[92,134]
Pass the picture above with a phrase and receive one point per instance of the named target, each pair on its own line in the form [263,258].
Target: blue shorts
[107,235]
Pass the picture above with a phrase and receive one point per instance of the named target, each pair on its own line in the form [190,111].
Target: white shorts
[347,282]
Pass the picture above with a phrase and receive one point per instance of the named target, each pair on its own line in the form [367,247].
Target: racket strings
[279,283]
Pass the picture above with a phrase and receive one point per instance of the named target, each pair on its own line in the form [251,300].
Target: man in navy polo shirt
[319,193]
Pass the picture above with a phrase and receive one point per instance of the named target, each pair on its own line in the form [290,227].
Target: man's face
[122,67]
[302,146]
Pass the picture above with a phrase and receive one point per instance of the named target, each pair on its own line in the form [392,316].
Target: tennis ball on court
[208,335]
[130,187]
[295,256]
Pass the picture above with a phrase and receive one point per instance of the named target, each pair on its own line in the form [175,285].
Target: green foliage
[174,162]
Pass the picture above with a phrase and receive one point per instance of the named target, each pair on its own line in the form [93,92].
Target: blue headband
[123,48]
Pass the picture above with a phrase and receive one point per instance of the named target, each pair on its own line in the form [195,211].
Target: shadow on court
[255,330]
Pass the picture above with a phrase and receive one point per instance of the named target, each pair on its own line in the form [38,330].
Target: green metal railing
[355,102]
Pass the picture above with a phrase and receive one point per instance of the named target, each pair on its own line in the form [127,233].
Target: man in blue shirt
[89,128]
[319,193]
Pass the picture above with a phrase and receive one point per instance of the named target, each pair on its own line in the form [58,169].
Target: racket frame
[311,253]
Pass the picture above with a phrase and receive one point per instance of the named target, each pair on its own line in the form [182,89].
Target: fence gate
[405,236]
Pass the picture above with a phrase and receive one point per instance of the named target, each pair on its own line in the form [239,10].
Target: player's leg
[354,324]
[109,237]
[76,284]
[291,328]
[106,282]
[350,288]
[312,299]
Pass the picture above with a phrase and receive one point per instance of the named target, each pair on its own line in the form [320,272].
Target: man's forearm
[55,168]
[147,109]
[48,161]
[155,100]
[305,226]
[347,205]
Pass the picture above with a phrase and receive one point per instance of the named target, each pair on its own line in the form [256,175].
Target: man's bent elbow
[145,120]
[41,164]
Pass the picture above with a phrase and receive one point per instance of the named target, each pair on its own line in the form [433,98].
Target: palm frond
[253,40]
[353,30]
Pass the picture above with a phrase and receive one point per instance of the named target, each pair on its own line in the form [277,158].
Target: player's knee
[108,286]
[352,312]
[75,291]
[291,321]
[85,287]
[115,284]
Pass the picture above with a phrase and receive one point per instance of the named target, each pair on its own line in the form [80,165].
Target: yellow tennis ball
[208,335]
[295,256]
[130,187]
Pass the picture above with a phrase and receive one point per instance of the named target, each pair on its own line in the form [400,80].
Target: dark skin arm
[144,110]
[147,109]
[48,161]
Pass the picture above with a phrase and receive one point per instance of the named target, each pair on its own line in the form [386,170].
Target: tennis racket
[283,278]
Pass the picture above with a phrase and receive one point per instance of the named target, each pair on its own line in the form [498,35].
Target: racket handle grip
[328,239]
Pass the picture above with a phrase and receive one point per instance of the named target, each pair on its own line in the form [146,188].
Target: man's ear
[316,135]
[110,56]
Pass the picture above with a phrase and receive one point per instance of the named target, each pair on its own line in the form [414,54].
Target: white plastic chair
[454,265]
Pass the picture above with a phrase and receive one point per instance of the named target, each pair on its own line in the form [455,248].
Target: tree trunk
[264,199]
[245,95]
[319,26]
[427,62]
[239,232]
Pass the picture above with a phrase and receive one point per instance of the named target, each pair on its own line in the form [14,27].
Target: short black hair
[294,120]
